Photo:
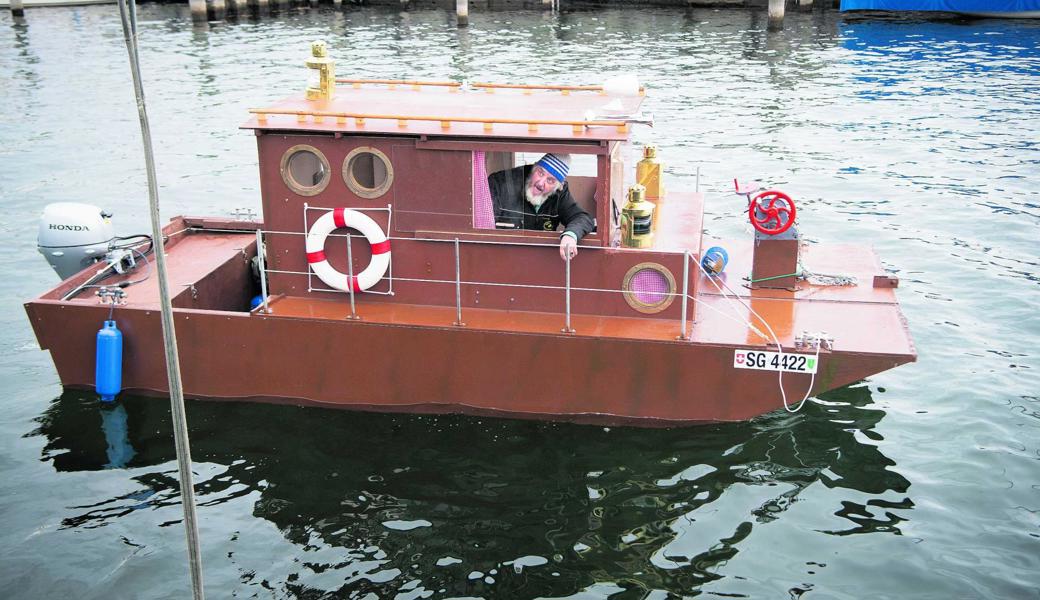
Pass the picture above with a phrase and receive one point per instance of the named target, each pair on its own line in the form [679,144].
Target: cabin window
[367,172]
[649,287]
[305,170]
[581,181]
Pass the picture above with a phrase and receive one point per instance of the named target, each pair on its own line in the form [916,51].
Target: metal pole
[173,369]
[697,182]
[567,325]
[685,289]
[776,15]
[198,10]
[458,288]
[263,269]
[462,12]
[350,279]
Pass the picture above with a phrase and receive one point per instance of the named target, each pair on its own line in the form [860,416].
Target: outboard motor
[73,235]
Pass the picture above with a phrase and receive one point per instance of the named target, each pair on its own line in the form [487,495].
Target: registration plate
[774,361]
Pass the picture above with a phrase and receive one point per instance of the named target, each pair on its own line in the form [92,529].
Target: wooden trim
[392,82]
[555,88]
[572,148]
[444,120]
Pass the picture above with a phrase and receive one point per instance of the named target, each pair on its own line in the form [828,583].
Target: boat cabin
[415,158]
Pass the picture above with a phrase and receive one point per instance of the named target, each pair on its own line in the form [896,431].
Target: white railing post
[458,288]
[263,269]
[685,291]
[567,324]
[350,280]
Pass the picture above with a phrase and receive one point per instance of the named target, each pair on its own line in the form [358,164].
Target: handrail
[555,88]
[457,281]
[392,82]
[445,120]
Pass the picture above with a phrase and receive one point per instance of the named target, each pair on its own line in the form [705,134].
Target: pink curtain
[483,212]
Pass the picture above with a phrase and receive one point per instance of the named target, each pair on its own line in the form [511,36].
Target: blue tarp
[989,6]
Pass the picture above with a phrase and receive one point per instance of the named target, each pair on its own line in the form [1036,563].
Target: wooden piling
[219,10]
[462,12]
[17,8]
[805,4]
[198,10]
[262,6]
[776,15]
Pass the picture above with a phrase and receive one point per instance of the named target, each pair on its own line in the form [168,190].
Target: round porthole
[305,170]
[367,172]
[648,287]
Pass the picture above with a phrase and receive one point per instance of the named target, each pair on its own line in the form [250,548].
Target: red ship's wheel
[771,212]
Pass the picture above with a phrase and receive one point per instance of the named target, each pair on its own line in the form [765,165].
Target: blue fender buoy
[256,301]
[108,373]
[715,260]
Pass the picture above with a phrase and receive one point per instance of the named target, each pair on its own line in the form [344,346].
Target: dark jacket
[512,210]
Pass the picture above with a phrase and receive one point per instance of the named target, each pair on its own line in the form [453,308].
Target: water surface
[919,137]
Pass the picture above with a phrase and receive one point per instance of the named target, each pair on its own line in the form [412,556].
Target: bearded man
[536,197]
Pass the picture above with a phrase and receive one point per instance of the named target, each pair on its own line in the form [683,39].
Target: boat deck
[204,264]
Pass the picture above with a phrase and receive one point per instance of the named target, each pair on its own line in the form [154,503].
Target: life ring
[377,240]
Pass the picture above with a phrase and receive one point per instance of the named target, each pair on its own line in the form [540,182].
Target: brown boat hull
[376,366]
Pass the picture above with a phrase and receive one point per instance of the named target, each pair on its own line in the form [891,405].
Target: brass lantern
[637,219]
[648,173]
[321,73]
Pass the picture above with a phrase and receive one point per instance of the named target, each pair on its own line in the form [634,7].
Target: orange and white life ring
[377,240]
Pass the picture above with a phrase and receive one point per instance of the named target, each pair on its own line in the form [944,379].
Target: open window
[581,182]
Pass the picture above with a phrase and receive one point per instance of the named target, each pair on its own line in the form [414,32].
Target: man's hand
[568,247]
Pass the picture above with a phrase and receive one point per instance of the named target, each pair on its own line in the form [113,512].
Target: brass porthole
[367,172]
[649,287]
[305,170]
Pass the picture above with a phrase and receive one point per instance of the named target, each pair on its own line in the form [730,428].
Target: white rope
[776,340]
[180,425]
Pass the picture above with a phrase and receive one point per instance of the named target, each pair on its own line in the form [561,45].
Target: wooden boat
[470,319]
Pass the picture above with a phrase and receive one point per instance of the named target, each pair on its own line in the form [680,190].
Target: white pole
[262,263]
[685,291]
[776,14]
[458,288]
[17,8]
[198,10]
[173,369]
[462,12]
[567,324]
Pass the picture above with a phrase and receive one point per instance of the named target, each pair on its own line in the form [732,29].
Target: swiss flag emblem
[740,358]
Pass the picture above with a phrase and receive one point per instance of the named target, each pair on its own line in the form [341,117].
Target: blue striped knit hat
[556,164]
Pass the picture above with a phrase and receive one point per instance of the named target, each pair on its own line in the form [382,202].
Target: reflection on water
[478,506]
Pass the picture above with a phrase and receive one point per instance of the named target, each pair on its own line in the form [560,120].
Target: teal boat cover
[988,6]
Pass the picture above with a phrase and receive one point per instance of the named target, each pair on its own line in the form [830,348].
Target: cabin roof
[447,110]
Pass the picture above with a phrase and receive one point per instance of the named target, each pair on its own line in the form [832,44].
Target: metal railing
[457,281]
